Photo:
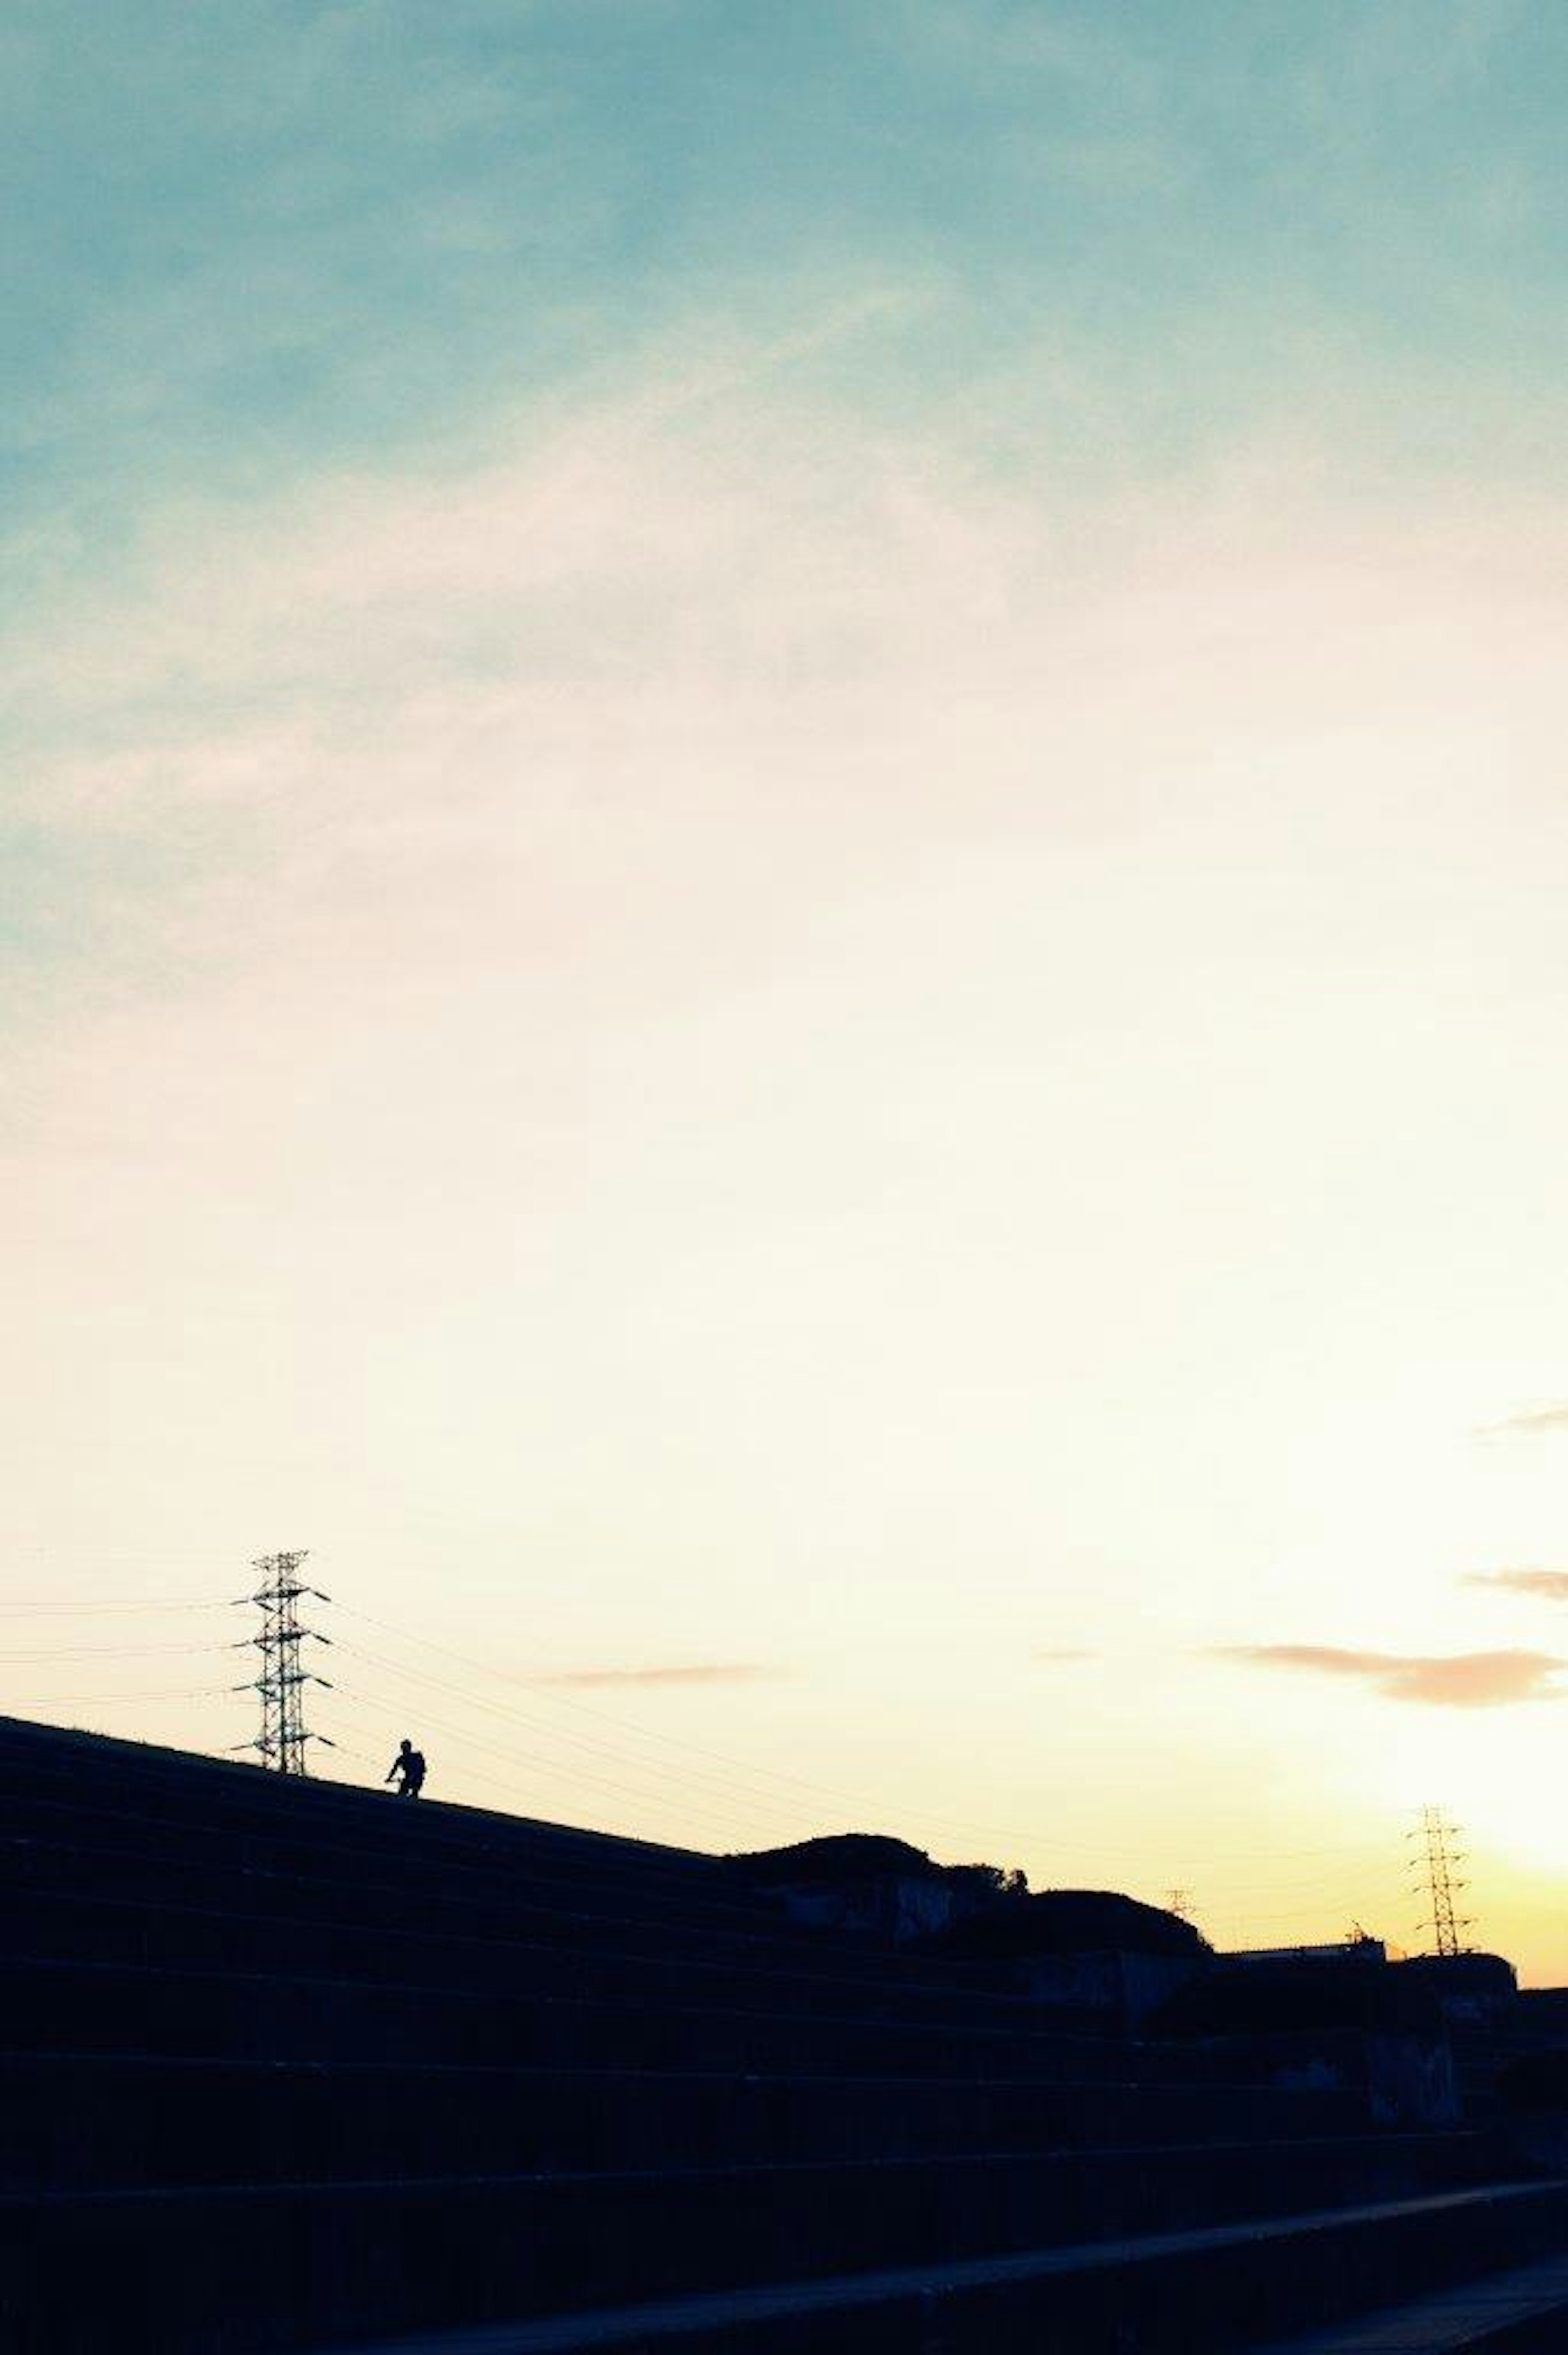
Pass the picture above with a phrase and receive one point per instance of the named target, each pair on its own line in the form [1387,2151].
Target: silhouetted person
[411,1764]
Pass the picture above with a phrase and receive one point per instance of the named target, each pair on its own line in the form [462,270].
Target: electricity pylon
[1438,1856]
[282,1681]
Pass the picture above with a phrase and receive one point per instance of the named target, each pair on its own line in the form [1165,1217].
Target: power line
[699,1807]
[758,1788]
[1302,1912]
[216,1604]
[697,1778]
[734,1766]
[109,1652]
[1331,1886]
[50,1700]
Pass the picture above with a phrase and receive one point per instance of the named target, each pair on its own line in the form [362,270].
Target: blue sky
[249,242]
[784,858]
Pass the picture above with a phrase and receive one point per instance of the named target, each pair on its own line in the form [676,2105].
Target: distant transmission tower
[282,1681]
[1180,1903]
[1437,1856]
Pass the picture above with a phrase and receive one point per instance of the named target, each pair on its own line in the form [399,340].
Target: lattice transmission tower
[1437,1856]
[281,1683]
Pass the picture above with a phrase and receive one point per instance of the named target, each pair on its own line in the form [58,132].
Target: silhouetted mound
[852,1859]
[873,1886]
[835,1858]
[1462,1979]
[1265,1997]
[1067,1921]
[974,1913]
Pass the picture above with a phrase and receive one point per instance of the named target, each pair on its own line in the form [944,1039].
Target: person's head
[406,1746]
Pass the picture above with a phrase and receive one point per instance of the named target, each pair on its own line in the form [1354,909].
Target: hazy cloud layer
[1059,1652]
[1550,1584]
[1456,1680]
[696,1672]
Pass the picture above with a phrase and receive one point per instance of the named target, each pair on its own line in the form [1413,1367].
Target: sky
[782,869]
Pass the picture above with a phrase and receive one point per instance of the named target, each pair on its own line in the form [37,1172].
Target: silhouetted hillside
[1067,1922]
[992,1915]
[836,1857]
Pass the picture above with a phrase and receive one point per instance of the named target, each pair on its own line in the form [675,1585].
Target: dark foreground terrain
[290,2068]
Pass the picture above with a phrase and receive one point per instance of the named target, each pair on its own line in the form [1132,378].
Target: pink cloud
[1454,1680]
[1534,1422]
[1551,1584]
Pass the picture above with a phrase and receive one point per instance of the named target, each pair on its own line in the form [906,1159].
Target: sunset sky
[784,870]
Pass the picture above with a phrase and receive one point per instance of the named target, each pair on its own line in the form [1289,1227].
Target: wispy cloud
[1550,1584]
[694,1672]
[1533,1423]
[1454,1680]
[1059,1652]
